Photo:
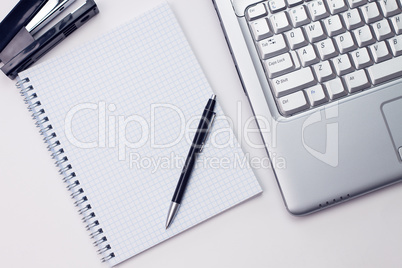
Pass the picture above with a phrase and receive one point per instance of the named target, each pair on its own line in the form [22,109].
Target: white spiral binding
[73,185]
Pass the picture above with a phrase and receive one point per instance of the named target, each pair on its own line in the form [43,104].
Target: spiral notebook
[118,115]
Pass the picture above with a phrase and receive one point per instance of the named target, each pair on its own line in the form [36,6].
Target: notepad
[118,115]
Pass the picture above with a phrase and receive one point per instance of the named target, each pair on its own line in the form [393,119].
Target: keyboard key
[293,103]
[380,52]
[396,45]
[333,25]
[397,24]
[307,55]
[370,12]
[352,19]
[293,81]
[323,71]
[279,65]
[292,3]
[298,16]
[280,22]
[389,7]
[276,5]
[356,81]
[314,32]
[356,3]
[316,95]
[317,10]
[361,58]
[260,29]
[336,6]
[342,64]
[296,38]
[326,49]
[345,43]
[363,36]
[382,30]
[272,46]
[256,11]
[335,88]
[385,71]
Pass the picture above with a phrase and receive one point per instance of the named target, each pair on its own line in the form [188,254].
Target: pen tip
[213,97]
[172,213]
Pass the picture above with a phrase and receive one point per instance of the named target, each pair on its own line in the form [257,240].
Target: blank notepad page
[125,108]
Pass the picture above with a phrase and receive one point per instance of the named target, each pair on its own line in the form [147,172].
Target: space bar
[384,71]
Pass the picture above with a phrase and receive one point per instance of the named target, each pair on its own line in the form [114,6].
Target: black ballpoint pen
[196,147]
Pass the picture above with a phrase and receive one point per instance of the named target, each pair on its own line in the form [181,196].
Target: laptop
[323,78]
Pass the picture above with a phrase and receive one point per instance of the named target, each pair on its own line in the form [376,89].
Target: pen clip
[208,131]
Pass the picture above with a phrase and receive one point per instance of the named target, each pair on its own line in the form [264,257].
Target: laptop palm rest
[392,112]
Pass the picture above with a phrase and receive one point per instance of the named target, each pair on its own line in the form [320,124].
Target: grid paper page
[125,108]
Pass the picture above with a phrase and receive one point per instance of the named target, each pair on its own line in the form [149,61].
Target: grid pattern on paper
[119,78]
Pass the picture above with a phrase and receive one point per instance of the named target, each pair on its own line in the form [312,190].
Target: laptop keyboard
[315,52]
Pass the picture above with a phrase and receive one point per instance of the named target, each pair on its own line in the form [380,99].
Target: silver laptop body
[337,149]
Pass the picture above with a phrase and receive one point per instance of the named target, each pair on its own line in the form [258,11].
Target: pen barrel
[194,149]
[183,180]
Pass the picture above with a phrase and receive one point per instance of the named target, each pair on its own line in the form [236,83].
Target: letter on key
[396,45]
[256,11]
[292,82]
[272,46]
[356,81]
[293,103]
[279,65]
[316,95]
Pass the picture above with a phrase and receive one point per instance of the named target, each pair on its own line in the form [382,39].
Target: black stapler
[19,48]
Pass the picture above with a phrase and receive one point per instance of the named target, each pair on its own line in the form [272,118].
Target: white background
[39,226]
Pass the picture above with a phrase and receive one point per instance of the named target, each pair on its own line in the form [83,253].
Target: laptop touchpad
[392,112]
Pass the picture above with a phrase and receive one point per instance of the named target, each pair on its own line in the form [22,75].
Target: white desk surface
[40,227]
